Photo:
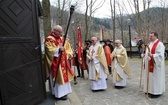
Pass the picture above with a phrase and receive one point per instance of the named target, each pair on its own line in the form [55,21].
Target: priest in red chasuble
[154,81]
[57,65]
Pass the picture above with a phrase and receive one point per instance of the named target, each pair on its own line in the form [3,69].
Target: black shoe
[119,87]
[94,90]
[148,94]
[75,82]
[154,96]
[78,76]
[63,98]
[98,90]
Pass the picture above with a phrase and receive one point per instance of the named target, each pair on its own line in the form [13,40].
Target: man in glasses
[120,65]
[98,69]
[57,65]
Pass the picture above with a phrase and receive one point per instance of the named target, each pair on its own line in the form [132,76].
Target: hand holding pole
[59,59]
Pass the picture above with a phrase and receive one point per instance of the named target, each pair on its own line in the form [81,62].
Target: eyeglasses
[58,30]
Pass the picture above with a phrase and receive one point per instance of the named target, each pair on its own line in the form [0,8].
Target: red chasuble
[60,61]
[151,62]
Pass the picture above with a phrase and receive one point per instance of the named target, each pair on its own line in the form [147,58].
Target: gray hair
[57,27]
[94,38]
[118,40]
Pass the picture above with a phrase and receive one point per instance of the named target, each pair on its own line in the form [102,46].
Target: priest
[98,69]
[154,81]
[57,64]
[120,65]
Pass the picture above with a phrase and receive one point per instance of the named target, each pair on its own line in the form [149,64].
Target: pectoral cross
[92,52]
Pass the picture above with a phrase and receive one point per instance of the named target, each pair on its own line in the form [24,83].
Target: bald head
[118,43]
[57,30]
[94,40]
[57,27]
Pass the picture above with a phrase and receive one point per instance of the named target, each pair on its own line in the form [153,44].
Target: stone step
[73,99]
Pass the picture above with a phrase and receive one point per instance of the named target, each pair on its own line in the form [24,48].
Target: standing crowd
[100,59]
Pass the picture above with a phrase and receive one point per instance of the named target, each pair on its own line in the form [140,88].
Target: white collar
[154,41]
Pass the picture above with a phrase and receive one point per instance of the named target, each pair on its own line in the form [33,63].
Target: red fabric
[60,60]
[151,62]
[79,46]
[57,40]
[54,66]
[73,61]
[107,53]
[65,67]
[84,65]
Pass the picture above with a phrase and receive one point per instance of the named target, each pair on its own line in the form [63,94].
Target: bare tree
[121,21]
[112,5]
[163,20]
[60,11]
[146,19]
[86,19]
[46,17]
[91,8]
[137,12]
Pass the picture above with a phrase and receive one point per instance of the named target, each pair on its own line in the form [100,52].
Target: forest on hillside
[114,27]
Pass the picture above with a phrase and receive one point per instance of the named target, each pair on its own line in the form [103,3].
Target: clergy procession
[103,65]
[110,52]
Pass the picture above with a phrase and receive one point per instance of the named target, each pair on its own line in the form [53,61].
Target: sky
[104,11]
[125,7]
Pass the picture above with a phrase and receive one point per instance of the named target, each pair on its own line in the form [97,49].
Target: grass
[166,62]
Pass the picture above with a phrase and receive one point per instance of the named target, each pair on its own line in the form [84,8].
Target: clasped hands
[149,54]
[91,58]
[114,55]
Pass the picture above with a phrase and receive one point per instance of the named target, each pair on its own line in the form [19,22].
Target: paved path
[131,95]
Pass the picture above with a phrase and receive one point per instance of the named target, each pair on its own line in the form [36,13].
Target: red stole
[64,63]
[151,62]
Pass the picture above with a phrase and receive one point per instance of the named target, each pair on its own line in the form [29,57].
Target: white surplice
[157,78]
[95,67]
[100,84]
[118,70]
[59,90]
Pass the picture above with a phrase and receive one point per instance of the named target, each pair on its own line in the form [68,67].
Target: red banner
[79,46]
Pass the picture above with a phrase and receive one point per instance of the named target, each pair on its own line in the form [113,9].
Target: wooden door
[21,74]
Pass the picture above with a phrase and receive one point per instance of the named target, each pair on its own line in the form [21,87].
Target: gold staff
[142,66]
[148,72]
